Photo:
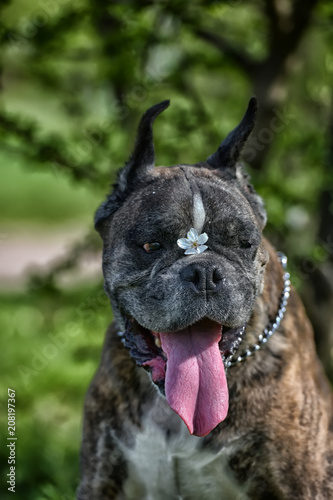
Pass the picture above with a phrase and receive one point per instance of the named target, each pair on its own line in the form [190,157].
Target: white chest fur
[174,467]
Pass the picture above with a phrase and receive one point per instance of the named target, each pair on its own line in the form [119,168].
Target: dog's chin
[146,347]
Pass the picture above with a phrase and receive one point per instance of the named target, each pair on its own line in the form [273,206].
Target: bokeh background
[75,77]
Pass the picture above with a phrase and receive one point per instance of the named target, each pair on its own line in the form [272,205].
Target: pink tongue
[195,383]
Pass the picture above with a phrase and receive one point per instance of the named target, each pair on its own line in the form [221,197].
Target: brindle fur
[276,442]
[280,409]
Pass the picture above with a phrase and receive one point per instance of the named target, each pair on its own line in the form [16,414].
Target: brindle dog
[209,386]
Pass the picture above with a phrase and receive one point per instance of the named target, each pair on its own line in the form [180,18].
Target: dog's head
[183,263]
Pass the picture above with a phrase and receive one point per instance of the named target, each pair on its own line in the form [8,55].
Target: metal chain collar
[233,360]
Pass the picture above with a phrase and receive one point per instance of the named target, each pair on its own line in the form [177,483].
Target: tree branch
[246,63]
[51,150]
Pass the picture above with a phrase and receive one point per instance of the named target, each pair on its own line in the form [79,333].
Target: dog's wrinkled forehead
[181,191]
[178,198]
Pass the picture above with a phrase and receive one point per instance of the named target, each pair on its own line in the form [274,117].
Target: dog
[209,385]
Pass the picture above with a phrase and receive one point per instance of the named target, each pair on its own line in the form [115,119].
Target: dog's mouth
[189,367]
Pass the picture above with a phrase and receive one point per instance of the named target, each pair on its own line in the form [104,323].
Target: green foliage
[52,351]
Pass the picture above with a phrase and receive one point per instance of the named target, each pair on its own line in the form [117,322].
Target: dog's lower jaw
[145,348]
[188,367]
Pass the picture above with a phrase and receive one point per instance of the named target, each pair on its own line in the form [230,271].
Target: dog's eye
[152,247]
[245,244]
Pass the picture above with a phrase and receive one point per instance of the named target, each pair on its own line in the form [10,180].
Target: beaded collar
[234,359]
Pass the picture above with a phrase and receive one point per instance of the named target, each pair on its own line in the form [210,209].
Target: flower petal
[184,243]
[192,235]
[190,251]
[202,238]
[201,248]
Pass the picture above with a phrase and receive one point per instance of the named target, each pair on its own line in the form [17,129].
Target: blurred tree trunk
[287,23]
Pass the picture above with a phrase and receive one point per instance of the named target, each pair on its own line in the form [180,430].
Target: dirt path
[24,250]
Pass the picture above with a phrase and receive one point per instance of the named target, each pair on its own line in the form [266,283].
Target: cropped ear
[231,147]
[225,159]
[140,163]
[142,159]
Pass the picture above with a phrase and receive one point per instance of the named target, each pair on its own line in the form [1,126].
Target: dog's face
[182,314]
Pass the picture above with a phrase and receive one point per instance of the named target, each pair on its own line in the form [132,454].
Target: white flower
[194,243]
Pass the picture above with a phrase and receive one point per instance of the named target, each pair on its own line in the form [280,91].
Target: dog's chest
[172,465]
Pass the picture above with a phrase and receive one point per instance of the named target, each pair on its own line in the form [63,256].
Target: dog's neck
[272,325]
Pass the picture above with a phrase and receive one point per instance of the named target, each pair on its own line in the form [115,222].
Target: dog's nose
[203,278]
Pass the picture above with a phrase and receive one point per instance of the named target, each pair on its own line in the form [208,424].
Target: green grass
[52,345]
[27,194]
